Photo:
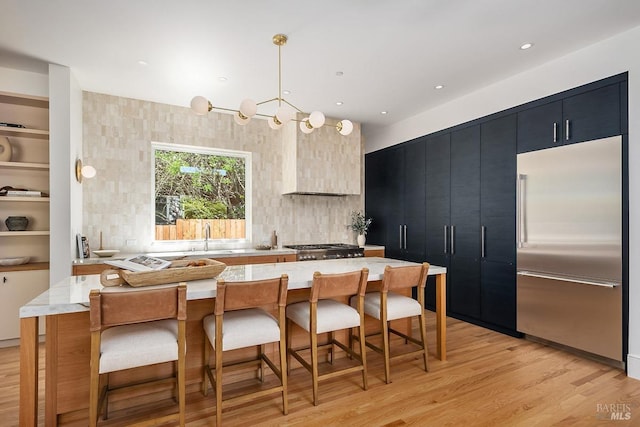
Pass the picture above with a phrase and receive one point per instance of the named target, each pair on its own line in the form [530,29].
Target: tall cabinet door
[394,209]
[438,212]
[497,219]
[374,201]
[414,201]
[464,284]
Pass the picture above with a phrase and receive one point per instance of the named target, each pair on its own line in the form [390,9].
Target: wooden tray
[178,271]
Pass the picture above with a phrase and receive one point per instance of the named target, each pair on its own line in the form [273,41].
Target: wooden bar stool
[134,328]
[387,305]
[239,321]
[323,313]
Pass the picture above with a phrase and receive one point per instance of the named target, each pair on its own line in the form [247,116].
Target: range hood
[323,163]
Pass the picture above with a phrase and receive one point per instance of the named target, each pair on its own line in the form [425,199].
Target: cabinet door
[540,127]
[592,115]
[499,294]
[465,192]
[374,201]
[464,283]
[438,212]
[414,201]
[394,207]
[16,289]
[498,189]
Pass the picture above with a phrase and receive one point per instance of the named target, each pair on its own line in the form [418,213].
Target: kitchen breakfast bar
[66,309]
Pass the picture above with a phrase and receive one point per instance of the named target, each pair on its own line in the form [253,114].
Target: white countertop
[71,295]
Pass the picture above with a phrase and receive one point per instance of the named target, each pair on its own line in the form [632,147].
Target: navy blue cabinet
[581,117]
[464,226]
[395,200]
[453,194]
[498,222]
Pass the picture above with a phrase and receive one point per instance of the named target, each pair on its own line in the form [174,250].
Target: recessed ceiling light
[339,103]
[286,92]
[222,79]
[526,46]
[144,63]
[383,112]
[439,87]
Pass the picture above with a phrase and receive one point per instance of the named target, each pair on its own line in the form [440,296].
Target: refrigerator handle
[555,132]
[453,239]
[567,129]
[483,236]
[445,239]
[400,236]
[522,199]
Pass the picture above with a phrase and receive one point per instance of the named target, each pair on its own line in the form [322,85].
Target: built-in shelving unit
[27,168]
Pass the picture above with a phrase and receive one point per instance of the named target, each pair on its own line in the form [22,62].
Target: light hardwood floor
[489,379]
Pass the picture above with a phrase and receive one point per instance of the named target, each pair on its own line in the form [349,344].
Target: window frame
[246,155]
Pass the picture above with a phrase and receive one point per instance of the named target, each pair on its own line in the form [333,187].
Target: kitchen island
[66,307]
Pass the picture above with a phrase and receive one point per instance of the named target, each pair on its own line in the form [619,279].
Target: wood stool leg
[423,334]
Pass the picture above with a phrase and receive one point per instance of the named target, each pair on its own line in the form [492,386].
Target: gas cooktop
[312,252]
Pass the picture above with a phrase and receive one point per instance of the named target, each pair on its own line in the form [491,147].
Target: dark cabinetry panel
[581,117]
[459,208]
[397,200]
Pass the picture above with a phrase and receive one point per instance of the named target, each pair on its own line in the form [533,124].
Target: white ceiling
[391,53]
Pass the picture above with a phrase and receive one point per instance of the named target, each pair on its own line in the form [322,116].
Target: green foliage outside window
[198,186]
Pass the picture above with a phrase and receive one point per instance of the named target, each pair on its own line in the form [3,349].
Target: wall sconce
[84,171]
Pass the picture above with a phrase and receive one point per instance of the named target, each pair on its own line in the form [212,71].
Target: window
[196,186]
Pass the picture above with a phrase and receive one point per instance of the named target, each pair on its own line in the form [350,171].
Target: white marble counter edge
[71,295]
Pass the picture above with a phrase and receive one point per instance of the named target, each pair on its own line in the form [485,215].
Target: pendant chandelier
[286,111]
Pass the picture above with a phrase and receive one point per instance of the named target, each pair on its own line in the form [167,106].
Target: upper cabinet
[581,117]
[322,162]
[24,165]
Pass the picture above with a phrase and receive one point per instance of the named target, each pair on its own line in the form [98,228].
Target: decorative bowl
[14,261]
[106,252]
[17,223]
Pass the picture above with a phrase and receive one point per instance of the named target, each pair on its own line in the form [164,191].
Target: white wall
[609,57]
[65,145]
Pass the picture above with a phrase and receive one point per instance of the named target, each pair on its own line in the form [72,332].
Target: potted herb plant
[360,224]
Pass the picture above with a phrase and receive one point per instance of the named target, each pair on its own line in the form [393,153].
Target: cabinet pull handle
[567,128]
[405,236]
[555,132]
[445,239]
[453,239]
[483,232]
[400,236]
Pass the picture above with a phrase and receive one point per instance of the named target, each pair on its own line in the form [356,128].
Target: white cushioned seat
[398,306]
[131,346]
[332,315]
[243,328]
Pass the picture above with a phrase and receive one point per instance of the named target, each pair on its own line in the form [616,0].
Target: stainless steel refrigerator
[569,246]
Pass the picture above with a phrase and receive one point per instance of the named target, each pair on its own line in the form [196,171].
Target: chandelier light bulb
[345,127]
[200,105]
[316,119]
[241,119]
[274,123]
[284,114]
[305,126]
[248,107]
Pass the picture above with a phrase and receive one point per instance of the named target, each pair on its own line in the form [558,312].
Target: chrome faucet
[207,234]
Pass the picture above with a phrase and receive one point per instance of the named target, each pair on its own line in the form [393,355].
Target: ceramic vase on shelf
[361,240]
